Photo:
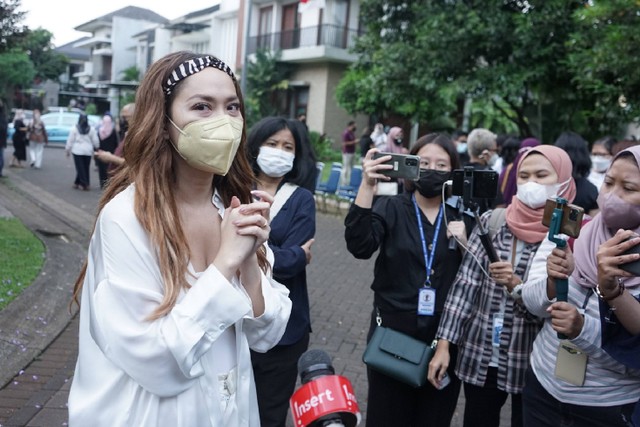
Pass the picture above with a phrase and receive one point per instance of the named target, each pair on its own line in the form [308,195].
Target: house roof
[202,12]
[72,52]
[132,12]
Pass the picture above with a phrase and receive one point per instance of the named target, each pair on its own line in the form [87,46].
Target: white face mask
[211,144]
[535,195]
[492,160]
[600,164]
[275,162]
[461,147]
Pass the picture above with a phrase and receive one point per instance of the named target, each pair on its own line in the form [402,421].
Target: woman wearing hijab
[394,145]
[394,141]
[108,142]
[484,312]
[574,379]
[509,177]
[82,142]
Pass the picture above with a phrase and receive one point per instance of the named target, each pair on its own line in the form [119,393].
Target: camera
[571,217]
[404,165]
[480,184]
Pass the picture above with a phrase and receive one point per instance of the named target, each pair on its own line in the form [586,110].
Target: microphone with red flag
[324,399]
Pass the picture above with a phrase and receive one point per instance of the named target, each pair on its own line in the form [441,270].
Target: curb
[41,312]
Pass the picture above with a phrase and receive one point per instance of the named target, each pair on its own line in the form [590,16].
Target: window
[264,27]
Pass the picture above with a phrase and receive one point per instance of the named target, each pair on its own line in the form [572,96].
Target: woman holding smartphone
[484,310]
[414,263]
[591,378]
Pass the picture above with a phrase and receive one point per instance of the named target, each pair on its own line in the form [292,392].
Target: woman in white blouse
[176,289]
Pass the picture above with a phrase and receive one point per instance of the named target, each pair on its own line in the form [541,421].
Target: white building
[315,42]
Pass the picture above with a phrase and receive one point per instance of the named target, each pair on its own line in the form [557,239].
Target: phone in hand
[444,382]
[405,166]
[633,266]
[572,216]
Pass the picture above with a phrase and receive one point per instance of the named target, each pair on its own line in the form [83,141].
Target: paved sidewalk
[38,335]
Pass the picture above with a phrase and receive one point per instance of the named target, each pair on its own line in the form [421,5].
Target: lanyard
[428,260]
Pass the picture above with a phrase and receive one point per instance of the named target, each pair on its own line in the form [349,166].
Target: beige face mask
[210,145]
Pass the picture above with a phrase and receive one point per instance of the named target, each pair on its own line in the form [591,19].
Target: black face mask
[398,141]
[431,181]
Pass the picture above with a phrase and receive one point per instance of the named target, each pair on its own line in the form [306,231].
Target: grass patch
[22,255]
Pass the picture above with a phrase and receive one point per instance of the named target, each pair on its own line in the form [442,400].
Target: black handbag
[398,355]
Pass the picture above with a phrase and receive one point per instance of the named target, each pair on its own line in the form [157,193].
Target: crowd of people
[194,302]
[498,323]
[103,142]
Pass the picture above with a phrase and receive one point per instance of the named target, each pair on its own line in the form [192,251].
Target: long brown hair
[149,164]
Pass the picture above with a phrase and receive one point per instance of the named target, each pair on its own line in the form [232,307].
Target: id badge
[571,363]
[426,301]
[498,322]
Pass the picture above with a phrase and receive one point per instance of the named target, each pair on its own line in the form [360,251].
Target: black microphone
[313,364]
[324,399]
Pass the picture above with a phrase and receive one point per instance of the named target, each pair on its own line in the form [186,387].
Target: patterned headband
[193,66]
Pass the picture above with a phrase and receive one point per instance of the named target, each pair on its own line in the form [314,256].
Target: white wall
[224,36]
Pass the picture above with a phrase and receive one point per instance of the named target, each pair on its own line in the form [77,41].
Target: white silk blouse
[140,373]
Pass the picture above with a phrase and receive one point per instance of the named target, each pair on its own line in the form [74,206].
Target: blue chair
[330,186]
[319,169]
[349,192]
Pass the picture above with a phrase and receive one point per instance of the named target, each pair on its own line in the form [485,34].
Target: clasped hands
[244,228]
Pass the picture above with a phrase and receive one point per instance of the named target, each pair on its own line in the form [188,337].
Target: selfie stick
[485,239]
[452,240]
[562,285]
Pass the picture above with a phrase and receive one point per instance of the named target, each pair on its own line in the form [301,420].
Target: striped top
[607,382]
[473,300]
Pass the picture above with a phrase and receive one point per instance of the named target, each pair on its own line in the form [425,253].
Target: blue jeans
[540,409]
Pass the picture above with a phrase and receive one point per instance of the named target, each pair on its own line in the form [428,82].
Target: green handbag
[398,356]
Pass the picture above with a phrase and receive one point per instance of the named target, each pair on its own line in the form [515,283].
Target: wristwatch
[516,292]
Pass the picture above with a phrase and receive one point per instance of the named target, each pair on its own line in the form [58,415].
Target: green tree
[603,58]
[131,74]
[267,81]
[17,70]
[419,59]
[48,63]
[11,29]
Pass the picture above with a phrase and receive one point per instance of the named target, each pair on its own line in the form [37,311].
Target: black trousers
[393,403]
[103,172]
[543,410]
[82,164]
[483,404]
[275,373]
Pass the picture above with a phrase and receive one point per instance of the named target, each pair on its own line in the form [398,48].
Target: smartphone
[405,166]
[633,266]
[445,381]
[484,183]
[571,217]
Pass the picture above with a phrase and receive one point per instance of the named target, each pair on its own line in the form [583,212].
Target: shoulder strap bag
[398,355]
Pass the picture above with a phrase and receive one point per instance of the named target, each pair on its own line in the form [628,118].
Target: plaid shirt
[467,319]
